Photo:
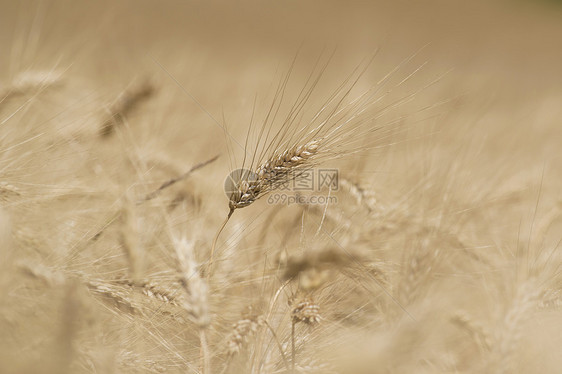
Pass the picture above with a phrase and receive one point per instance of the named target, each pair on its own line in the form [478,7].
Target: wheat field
[437,251]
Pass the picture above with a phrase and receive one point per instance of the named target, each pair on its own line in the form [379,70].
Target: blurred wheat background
[441,255]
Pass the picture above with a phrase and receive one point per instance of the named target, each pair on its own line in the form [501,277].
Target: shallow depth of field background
[449,264]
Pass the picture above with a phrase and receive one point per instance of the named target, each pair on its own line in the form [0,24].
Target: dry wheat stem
[278,344]
[206,365]
[213,246]
[172,181]
[293,323]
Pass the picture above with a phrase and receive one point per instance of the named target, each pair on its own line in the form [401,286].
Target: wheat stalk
[197,292]
[129,237]
[175,180]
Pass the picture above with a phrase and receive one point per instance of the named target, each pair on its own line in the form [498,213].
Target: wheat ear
[32,81]
[273,173]
[196,290]
[279,169]
[125,103]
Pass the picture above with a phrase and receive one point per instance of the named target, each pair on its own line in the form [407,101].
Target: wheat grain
[361,195]
[160,293]
[117,296]
[305,311]
[242,330]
